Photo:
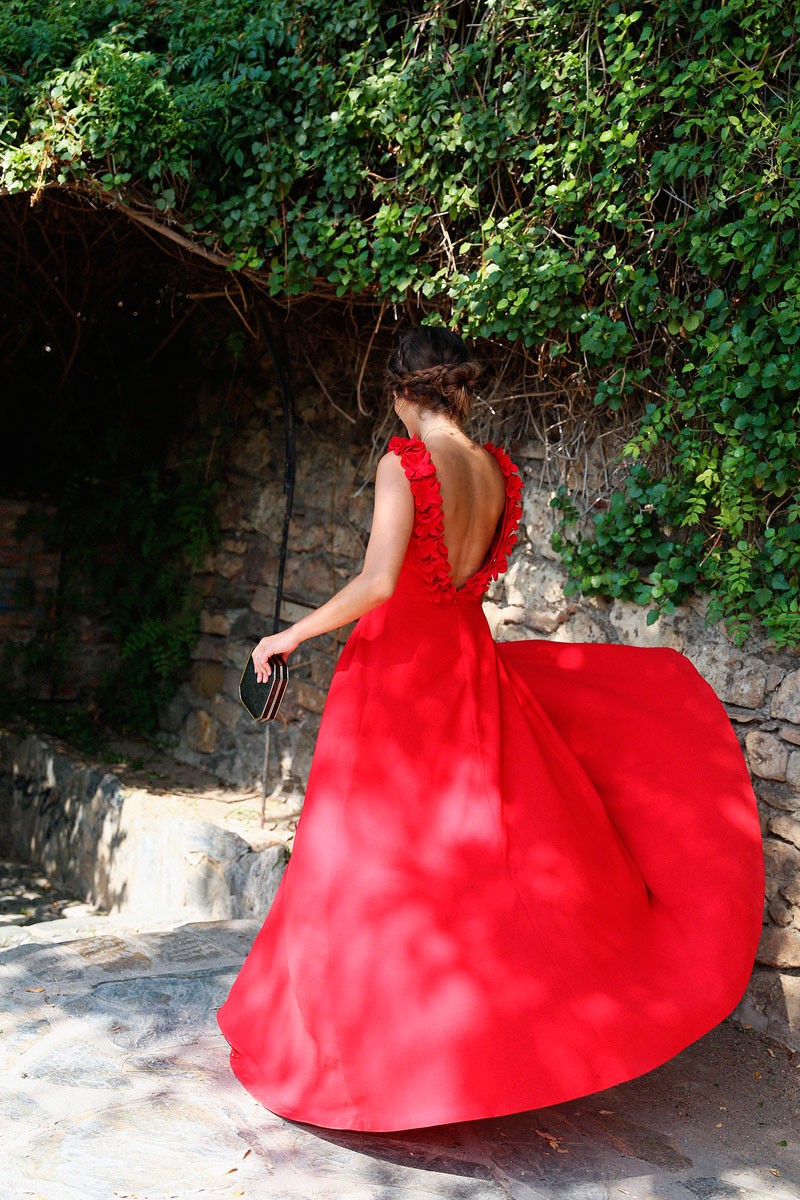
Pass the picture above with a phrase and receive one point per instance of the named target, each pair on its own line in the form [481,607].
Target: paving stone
[115,1084]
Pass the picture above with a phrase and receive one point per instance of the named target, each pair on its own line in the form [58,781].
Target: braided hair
[432,367]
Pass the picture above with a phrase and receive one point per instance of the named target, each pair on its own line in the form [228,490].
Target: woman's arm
[392,522]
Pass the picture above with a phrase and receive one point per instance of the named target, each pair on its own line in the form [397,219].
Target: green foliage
[616,185]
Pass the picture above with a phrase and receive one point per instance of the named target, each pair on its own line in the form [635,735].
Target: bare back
[473,499]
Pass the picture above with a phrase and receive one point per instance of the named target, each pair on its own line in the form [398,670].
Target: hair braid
[431,366]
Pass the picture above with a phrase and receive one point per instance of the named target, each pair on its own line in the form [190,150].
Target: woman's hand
[278,643]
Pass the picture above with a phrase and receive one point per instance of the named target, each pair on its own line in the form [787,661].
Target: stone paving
[115,1085]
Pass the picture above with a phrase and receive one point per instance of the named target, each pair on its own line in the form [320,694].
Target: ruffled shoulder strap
[428,520]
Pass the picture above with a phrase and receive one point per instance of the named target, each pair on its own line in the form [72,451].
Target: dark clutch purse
[262,700]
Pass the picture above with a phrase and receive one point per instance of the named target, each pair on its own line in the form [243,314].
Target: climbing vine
[611,190]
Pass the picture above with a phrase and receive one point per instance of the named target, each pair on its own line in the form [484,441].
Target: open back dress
[523,872]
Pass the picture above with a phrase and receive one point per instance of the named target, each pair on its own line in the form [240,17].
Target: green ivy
[615,186]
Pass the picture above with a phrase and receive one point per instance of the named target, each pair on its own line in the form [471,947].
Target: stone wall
[760,686]
[116,847]
[327,540]
[29,579]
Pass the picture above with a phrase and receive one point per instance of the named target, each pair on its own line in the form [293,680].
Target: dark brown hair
[433,368]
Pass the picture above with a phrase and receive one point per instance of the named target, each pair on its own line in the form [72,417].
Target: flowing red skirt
[524,872]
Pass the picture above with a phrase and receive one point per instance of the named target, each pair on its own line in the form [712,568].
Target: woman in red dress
[524,871]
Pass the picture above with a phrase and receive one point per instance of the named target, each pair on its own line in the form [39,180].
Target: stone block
[252,880]
[228,712]
[771,1005]
[252,451]
[779,947]
[786,701]
[230,512]
[793,771]
[214,623]
[209,649]
[266,512]
[774,677]
[780,912]
[347,543]
[786,827]
[542,621]
[791,733]
[263,601]
[291,612]
[777,795]
[229,566]
[737,679]
[629,622]
[317,576]
[499,615]
[307,696]
[767,756]
[175,713]
[742,716]
[207,678]
[791,891]
[200,731]
[311,534]
[538,520]
[254,561]
[539,584]
[579,628]
[782,863]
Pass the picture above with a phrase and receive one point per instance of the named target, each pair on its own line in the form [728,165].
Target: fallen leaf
[719,1125]
[250,1151]
[549,1138]
[774,1170]
[757,1074]
[34,989]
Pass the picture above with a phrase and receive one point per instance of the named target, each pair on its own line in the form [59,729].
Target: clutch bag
[262,700]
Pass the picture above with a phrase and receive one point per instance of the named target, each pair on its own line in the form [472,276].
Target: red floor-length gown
[523,872]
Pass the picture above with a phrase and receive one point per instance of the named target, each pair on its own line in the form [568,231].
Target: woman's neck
[433,424]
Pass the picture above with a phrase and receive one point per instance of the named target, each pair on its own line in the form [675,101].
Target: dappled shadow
[717,1118]
[134,1021]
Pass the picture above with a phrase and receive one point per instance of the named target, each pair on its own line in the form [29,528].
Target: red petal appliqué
[429,522]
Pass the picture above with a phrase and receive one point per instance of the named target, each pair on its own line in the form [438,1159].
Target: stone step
[84,924]
[59,918]
[123,848]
